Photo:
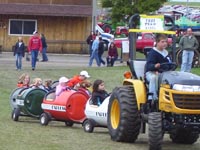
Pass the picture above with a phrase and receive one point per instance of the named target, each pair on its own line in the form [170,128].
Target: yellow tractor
[178,108]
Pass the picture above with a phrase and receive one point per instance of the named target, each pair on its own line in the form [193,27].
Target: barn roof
[46,10]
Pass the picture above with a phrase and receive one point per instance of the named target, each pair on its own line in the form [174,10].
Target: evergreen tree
[122,8]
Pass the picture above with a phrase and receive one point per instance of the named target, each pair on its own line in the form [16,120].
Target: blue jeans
[44,55]
[34,55]
[94,56]
[101,59]
[90,49]
[18,61]
[187,58]
[152,77]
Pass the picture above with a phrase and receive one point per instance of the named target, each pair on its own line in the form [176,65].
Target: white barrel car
[96,116]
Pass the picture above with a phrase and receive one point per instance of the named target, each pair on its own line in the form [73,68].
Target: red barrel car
[68,107]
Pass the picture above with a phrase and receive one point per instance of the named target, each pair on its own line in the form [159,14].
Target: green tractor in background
[119,29]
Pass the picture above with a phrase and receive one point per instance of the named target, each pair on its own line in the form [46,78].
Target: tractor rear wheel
[155,131]
[123,115]
[107,28]
[184,136]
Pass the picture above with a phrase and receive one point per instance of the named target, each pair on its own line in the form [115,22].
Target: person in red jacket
[34,47]
[112,54]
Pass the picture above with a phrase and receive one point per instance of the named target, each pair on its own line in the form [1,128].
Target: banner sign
[152,22]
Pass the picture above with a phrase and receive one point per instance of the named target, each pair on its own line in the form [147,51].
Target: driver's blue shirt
[155,56]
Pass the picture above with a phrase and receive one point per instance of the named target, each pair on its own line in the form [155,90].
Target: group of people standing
[97,48]
[37,43]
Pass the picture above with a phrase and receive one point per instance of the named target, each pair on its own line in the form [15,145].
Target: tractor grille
[187,101]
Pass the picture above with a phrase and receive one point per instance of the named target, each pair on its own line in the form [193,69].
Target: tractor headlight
[186,88]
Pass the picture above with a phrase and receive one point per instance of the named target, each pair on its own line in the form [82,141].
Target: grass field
[28,134]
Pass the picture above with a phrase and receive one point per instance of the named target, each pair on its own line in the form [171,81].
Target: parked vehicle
[143,40]
[106,37]
[68,107]
[121,30]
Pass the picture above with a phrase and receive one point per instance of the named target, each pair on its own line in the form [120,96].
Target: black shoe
[33,69]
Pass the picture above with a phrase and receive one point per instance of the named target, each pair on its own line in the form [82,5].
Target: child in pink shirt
[61,86]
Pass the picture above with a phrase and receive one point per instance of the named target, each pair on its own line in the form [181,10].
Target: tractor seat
[139,68]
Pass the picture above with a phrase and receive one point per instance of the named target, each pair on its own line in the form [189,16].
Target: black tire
[195,62]
[155,131]
[184,136]
[69,123]
[107,28]
[88,126]
[16,114]
[123,116]
[44,119]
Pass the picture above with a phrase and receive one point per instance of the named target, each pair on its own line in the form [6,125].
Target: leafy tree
[122,8]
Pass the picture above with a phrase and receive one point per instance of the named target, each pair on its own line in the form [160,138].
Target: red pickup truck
[143,40]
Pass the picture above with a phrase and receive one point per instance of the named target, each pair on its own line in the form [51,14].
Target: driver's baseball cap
[84,73]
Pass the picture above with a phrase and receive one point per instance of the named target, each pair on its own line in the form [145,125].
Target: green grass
[28,134]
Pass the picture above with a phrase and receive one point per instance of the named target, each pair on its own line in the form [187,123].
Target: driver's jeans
[187,58]
[152,78]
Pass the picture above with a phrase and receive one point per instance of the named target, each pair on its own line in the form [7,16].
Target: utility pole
[94,14]
[187,7]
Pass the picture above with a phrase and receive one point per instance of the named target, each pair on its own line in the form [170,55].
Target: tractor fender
[139,90]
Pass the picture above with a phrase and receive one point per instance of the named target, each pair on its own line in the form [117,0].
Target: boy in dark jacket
[155,57]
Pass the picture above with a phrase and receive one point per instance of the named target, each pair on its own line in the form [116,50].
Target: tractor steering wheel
[168,66]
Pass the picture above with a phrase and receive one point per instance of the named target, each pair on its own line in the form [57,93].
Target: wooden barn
[65,23]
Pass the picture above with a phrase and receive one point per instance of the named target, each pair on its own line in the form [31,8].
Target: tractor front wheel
[123,115]
[155,131]
[184,136]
